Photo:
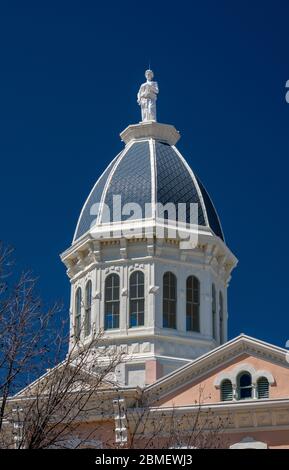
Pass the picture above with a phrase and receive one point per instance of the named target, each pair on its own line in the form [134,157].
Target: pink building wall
[190,393]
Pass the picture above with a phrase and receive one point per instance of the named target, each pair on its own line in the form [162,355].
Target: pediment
[212,364]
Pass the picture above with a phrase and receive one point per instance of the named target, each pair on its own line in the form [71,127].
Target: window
[136,299]
[262,388]
[77,325]
[111,315]
[214,310]
[169,300]
[249,443]
[221,317]
[193,304]
[226,390]
[87,320]
[244,386]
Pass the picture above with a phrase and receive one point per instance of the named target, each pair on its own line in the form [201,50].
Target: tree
[51,398]
[50,406]
[24,332]
[153,426]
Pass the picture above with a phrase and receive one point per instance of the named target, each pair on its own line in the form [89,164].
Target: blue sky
[69,76]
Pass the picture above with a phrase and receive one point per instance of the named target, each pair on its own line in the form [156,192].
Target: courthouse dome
[149,169]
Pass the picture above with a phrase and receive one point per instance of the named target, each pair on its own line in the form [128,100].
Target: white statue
[147,97]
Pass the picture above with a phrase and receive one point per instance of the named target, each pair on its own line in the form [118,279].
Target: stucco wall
[203,390]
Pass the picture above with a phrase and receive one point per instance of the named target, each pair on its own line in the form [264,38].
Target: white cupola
[148,264]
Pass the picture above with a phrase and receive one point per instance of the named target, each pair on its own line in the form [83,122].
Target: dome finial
[147,97]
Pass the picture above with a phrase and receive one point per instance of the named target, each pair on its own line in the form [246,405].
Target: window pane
[166,291]
[141,318]
[133,292]
[192,305]
[245,380]
[108,293]
[88,292]
[245,393]
[196,318]
[111,319]
[189,323]
[78,301]
[87,328]
[133,320]
[245,386]
[141,290]
[169,300]
[115,293]
[136,292]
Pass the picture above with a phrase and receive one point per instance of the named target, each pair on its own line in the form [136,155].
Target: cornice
[220,356]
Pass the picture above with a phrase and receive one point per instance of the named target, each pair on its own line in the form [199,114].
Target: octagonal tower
[158,297]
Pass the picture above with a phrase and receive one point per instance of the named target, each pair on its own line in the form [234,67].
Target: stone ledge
[151,130]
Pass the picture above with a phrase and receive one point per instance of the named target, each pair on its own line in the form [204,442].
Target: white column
[124,313]
[150,319]
[181,276]
[217,313]
[101,277]
[206,322]
[225,321]
[158,301]
[98,294]
[71,315]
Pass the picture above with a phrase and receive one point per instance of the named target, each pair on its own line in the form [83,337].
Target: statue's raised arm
[147,97]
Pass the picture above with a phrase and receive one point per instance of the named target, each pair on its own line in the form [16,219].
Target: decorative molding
[151,248]
[184,255]
[95,252]
[123,248]
[153,289]
[221,356]
[124,292]
[146,347]
[134,348]
[136,266]
[112,269]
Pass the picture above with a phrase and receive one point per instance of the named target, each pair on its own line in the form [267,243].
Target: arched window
[87,319]
[262,388]
[193,304]
[111,314]
[226,390]
[169,300]
[136,299]
[214,310]
[77,324]
[244,386]
[221,317]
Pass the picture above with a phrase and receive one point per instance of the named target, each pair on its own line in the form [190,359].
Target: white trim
[108,181]
[153,178]
[87,199]
[244,367]
[186,373]
[216,212]
[195,184]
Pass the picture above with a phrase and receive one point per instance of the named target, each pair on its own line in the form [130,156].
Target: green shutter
[226,391]
[263,388]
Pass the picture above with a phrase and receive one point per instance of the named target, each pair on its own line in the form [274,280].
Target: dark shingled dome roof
[144,172]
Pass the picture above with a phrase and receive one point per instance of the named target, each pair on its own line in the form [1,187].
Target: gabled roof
[219,356]
[105,386]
